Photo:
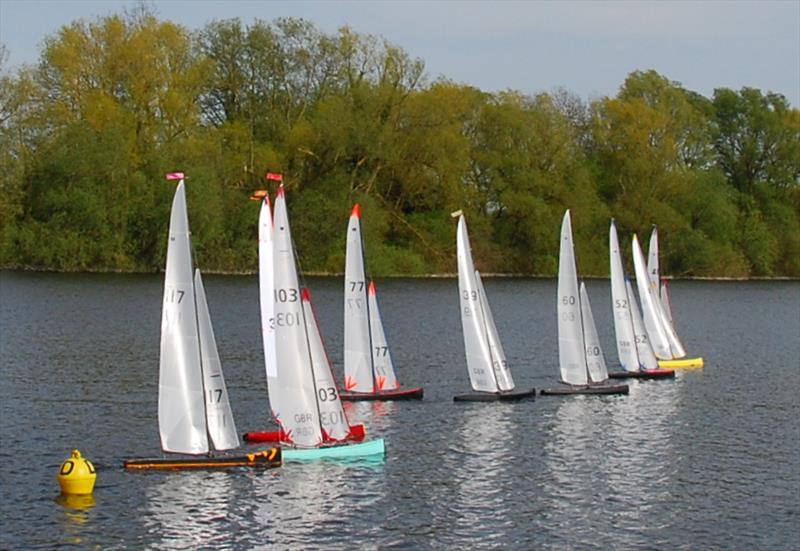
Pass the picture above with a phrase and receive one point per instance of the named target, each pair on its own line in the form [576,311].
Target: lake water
[708,460]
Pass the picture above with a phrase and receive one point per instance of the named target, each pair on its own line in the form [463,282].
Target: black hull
[496,396]
[568,390]
[643,374]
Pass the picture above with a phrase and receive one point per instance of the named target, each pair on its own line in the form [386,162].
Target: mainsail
[480,362]
[571,352]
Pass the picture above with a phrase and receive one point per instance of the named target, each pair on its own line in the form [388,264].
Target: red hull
[404,394]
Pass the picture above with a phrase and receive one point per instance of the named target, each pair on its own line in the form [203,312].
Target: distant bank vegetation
[87,134]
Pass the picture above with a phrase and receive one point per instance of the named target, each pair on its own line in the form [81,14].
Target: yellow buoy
[77,475]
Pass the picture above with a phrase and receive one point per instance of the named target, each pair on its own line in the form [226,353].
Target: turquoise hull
[366,450]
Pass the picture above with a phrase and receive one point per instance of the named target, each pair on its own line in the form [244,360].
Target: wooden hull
[357,434]
[263,460]
[400,394]
[364,450]
[643,374]
[686,363]
[599,389]
[496,396]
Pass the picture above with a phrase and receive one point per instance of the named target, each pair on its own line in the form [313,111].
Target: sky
[587,47]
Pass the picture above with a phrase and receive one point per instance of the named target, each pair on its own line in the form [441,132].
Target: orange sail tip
[175,176]
[276,176]
[306,295]
[258,195]
[356,210]
[371,288]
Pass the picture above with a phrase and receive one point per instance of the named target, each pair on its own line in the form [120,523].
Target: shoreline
[452,275]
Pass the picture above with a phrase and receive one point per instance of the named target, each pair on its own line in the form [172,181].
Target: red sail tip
[277,176]
[371,288]
[356,210]
[175,176]
[306,295]
[280,190]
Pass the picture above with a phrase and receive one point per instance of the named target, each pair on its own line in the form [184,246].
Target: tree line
[87,133]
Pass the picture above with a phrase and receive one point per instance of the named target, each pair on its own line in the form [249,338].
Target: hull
[357,434]
[365,450]
[496,396]
[686,363]
[643,374]
[405,394]
[263,460]
[600,389]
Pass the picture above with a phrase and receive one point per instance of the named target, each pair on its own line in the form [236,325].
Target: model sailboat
[665,342]
[658,288]
[368,369]
[581,362]
[302,393]
[488,369]
[194,413]
[635,355]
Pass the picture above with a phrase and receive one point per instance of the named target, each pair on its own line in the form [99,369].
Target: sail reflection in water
[189,510]
[603,455]
[484,444]
[314,502]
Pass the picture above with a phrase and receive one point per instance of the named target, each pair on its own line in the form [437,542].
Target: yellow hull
[687,363]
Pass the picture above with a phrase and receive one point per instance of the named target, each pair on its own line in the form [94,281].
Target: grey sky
[531,46]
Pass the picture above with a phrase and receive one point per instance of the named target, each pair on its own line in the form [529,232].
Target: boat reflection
[603,453]
[375,414]
[481,450]
[190,509]
[309,502]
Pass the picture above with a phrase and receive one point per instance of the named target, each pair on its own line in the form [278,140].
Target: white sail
[650,313]
[571,353]
[266,287]
[654,276]
[332,417]
[647,359]
[675,345]
[181,411]
[219,417]
[358,372]
[476,344]
[623,323]
[653,268]
[292,394]
[385,377]
[502,373]
[665,302]
[595,361]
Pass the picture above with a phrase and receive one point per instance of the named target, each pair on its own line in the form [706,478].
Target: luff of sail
[291,392]
[476,345]
[181,411]
[571,354]
[266,287]
[219,417]
[595,362]
[358,371]
[623,322]
[385,377]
